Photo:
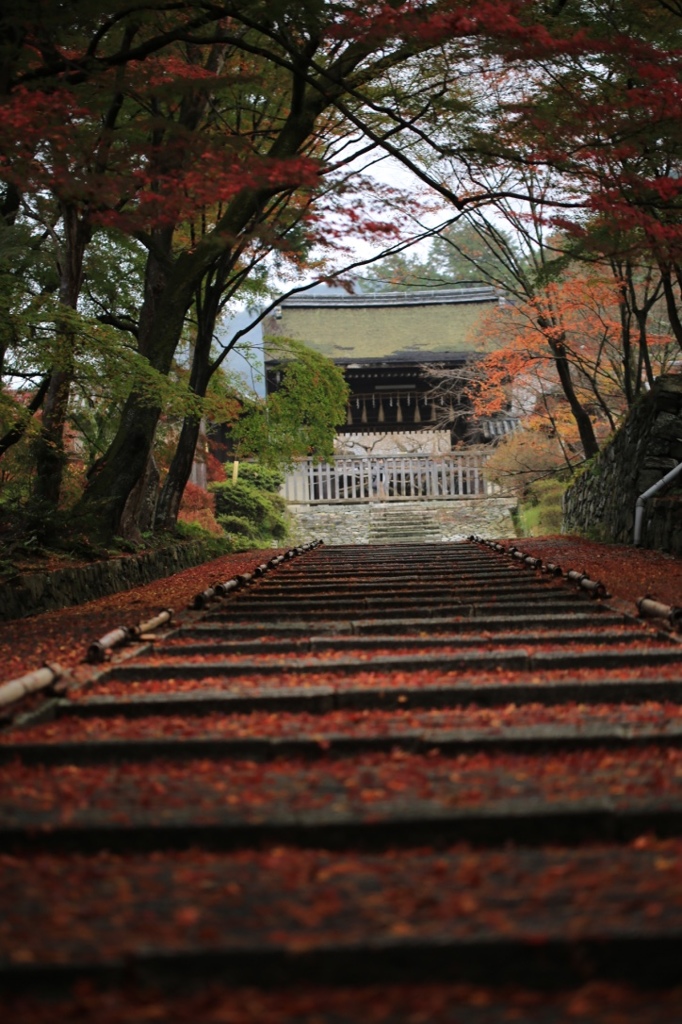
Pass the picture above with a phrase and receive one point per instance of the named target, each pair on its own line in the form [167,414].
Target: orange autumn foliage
[198,506]
[580,317]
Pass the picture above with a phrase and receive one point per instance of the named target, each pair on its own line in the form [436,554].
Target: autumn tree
[223,119]
[66,161]
[327,54]
[584,100]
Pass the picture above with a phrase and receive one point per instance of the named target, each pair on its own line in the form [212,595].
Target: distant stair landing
[402,524]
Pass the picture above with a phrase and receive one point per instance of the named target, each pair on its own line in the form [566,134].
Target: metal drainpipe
[639,505]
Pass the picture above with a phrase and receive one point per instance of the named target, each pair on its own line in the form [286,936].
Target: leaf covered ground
[628,572]
[63,636]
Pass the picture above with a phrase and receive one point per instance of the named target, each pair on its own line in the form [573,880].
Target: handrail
[641,501]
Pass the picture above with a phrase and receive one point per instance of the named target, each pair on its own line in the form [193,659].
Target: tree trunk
[167,298]
[140,508]
[582,420]
[643,344]
[671,304]
[99,512]
[50,453]
[200,375]
[178,475]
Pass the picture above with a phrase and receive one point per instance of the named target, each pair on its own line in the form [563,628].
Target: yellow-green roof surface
[386,325]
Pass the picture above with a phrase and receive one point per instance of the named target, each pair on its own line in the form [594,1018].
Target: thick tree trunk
[169,291]
[99,512]
[50,454]
[140,508]
[167,297]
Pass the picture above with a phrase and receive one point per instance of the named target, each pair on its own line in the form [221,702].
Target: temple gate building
[399,442]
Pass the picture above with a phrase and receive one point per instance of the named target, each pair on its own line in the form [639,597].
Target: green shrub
[262,477]
[263,510]
[215,546]
[237,525]
[542,514]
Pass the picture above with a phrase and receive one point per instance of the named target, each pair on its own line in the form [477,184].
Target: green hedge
[262,477]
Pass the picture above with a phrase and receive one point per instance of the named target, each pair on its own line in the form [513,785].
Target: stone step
[324,743]
[482,692]
[438,607]
[565,633]
[515,659]
[368,800]
[365,632]
[503,917]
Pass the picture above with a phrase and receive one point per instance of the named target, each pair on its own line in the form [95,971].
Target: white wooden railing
[388,478]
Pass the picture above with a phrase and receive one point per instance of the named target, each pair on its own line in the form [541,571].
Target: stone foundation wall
[601,503]
[37,592]
[350,523]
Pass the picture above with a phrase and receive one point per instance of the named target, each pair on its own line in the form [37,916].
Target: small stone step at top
[407,536]
[413,523]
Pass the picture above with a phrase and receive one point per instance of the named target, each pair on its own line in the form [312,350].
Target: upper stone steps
[403,525]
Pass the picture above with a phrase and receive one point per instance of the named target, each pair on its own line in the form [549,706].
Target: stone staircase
[403,524]
[377,784]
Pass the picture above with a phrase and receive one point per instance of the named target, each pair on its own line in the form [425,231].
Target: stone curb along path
[376,766]
[36,592]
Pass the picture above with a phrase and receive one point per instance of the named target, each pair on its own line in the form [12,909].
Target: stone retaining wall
[601,503]
[350,523]
[32,593]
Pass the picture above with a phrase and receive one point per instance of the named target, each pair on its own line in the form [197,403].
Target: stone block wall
[349,523]
[31,593]
[601,503]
